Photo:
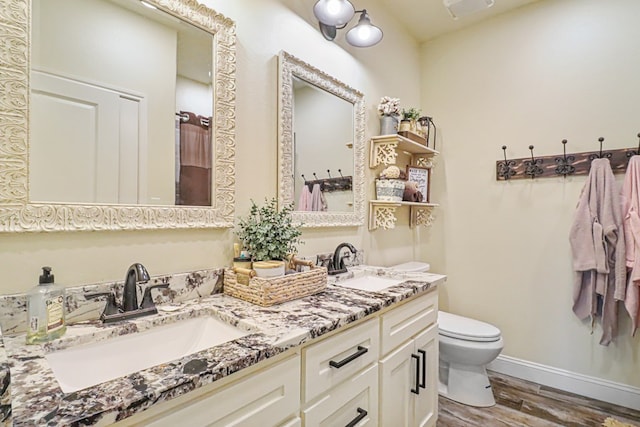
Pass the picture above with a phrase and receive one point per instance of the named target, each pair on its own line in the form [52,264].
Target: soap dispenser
[45,310]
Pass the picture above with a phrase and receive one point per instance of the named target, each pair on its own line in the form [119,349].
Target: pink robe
[631,221]
[598,248]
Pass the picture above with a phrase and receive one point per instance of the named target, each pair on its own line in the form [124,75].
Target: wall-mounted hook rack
[343,183]
[553,165]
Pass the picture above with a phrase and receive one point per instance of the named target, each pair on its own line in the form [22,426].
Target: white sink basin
[86,365]
[369,282]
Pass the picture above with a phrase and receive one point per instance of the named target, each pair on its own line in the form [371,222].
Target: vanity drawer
[404,322]
[335,359]
[354,402]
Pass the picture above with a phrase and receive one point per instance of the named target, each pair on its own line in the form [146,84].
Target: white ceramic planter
[269,268]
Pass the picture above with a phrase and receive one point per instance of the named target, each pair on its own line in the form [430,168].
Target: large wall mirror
[116,114]
[321,146]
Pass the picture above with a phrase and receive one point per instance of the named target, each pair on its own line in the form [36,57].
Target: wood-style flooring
[521,403]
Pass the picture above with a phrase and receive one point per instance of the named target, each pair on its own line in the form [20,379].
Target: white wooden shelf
[384,150]
[382,214]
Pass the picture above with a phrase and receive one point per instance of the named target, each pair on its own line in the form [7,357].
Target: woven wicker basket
[240,283]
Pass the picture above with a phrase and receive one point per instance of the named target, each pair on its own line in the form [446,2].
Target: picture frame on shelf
[422,177]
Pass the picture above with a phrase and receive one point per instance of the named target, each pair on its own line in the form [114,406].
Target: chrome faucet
[337,265]
[135,274]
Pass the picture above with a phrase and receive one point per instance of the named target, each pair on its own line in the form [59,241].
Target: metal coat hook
[637,152]
[532,167]
[565,167]
[600,155]
[505,169]
[303,176]
[340,172]
[329,172]
[315,176]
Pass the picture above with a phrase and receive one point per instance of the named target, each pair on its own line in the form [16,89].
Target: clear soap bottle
[45,310]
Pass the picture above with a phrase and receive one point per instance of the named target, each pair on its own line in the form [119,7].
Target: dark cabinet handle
[423,380]
[354,356]
[416,389]
[361,414]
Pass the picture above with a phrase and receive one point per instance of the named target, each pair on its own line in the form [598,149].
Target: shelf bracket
[421,216]
[383,153]
[382,216]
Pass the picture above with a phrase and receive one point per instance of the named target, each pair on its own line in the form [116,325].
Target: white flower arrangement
[389,106]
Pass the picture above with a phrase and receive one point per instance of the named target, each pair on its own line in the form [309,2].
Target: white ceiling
[426,19]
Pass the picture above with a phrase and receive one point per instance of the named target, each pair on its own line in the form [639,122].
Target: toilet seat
[463,328]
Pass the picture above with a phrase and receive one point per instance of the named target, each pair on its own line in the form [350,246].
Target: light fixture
[334,15]
[364,34]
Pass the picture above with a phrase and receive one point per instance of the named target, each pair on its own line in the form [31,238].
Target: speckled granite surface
[38,400]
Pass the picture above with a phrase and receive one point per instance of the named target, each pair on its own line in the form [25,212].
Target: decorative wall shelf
[384,151]
[382,214]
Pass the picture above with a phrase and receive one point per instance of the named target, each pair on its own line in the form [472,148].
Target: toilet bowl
[466,346]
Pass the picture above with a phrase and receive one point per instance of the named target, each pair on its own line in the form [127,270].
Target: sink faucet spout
[137,273]
[337,266]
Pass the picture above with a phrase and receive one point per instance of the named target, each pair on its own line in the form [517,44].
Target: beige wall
[553,70]
[263,29]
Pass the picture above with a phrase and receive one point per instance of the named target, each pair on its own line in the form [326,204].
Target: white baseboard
[595,388]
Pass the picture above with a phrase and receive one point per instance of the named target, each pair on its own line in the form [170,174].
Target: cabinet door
[352,403]
[397,378]
[267,398]
[426,403]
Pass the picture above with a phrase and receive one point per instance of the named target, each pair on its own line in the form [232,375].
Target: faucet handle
[111,307]
[147,301]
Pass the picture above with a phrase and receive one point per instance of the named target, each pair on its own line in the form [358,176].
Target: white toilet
[466,346]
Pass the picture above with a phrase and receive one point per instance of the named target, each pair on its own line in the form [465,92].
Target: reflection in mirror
[323,149]
[119,166]
[105,103]
[321,146]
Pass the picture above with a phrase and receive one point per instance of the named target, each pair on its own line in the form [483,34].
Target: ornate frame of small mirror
[19,214]
[290,67]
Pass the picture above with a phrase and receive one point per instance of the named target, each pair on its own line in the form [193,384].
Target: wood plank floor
[525,404]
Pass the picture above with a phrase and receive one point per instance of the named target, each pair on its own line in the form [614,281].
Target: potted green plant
[270,236]
[409,119]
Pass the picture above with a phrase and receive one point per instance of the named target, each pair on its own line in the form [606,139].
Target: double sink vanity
[364,348]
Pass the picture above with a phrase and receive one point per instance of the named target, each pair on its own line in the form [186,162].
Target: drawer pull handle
[361,350]
[423,380]
[416,389]
[361,414]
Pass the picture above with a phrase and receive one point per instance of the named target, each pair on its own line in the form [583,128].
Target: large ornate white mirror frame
[18,214]
[290,67]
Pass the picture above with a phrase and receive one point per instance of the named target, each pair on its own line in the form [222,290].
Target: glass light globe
[334,12]
[364,34]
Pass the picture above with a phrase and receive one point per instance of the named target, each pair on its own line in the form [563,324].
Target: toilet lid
[454,326]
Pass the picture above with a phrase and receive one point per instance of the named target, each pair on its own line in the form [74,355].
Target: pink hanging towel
[631,222]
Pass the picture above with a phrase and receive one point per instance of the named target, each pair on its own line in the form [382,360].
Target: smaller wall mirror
[321,146]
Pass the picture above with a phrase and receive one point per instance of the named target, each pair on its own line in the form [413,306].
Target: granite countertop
[36,398]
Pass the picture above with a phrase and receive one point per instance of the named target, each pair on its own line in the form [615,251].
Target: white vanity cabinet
[270,397]
[380,371]
[409,364]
